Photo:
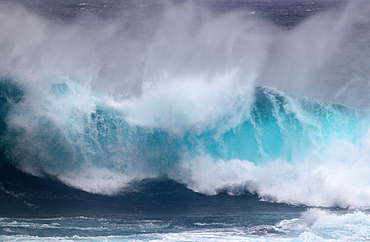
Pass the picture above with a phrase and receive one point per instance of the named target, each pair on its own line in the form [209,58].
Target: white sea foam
[312,225]
[322,225]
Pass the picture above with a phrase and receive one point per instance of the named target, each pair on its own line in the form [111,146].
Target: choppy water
[184,121]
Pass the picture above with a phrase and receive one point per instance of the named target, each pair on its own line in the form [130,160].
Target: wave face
[218,100]
[285,149]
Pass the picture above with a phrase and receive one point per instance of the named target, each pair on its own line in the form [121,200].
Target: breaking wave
[213,101]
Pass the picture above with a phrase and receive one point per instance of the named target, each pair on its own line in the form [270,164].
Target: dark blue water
[171,206]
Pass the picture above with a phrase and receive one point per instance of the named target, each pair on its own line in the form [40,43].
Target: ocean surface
[184,120]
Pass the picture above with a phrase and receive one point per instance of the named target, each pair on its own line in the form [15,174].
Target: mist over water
[156,41]
[218,98]
[143,45]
